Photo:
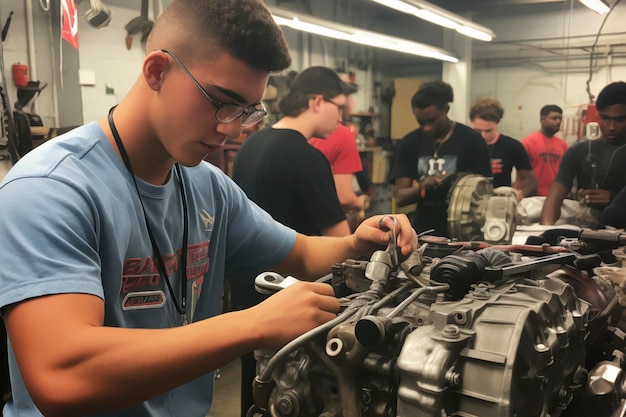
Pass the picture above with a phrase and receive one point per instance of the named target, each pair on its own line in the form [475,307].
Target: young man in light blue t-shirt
[116,236]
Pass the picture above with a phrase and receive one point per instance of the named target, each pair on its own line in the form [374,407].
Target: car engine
[462,329]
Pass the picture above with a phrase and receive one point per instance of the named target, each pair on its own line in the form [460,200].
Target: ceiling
[547,54]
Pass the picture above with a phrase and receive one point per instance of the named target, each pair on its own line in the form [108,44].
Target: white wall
[103,52]
[524,89]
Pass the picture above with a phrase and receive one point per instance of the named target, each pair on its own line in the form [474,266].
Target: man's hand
[376,231]
[293,311]
[590,196]
[432,182]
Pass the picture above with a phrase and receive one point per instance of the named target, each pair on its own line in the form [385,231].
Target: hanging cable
[593,48]
[47,5]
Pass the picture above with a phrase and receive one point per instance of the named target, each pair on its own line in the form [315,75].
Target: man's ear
[155,65]
[315,102]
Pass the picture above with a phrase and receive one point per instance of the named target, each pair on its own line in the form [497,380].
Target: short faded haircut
[545,110]
[614,93]
[487,108]
[201,29]
[433,93]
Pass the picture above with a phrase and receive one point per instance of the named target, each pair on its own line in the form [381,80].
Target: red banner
[70,22]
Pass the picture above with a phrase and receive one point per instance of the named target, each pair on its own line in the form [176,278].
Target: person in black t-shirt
[504,151]
[281,172]
[290,179]
[425,157]
[596,165]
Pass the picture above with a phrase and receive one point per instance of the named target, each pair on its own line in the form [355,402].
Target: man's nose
[232,129]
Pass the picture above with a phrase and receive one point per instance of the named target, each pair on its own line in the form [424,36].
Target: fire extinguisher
[20,75]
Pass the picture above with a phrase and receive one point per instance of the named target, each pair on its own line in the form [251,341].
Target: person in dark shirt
[285,175]
[291,179]
[504,151]
[425,157]
[596,165]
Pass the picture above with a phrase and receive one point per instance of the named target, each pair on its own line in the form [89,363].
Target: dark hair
[312,81]
[243,28]
[433,93]
[487,108]
[614,93]
[545,110]
[294,104]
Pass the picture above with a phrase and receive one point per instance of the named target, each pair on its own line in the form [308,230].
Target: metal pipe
[55,91]
[30,39]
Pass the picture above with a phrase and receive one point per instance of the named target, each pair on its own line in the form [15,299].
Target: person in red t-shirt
[544,149]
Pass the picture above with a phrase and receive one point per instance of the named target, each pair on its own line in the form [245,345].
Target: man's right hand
[431,182]
[293,311]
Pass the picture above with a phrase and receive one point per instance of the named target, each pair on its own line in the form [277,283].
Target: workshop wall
[557,74]
[16,47]
[108,69]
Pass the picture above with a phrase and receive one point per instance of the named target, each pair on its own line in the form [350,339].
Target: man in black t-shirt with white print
[425,157]
[504,151]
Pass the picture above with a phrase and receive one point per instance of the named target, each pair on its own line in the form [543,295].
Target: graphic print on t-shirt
[443,165]
[549,157]
[496,166]
[142,286]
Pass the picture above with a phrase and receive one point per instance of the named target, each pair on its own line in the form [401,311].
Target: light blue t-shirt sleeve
[47,248]
[255,242]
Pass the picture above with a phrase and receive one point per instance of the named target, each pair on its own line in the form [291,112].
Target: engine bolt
[454,378]
[288,405]
[451,331]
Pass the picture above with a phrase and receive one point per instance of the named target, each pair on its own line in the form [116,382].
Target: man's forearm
[96,369]
[551,211]
[407,195]
[528,186]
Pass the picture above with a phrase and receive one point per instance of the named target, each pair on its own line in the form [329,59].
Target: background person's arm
[345,192]
[526,182]
[614,213]
[551,211]
[405,193]
[337,230]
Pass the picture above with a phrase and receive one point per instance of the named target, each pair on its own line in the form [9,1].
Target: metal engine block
[487,332]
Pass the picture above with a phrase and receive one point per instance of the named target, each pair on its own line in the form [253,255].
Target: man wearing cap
[286,176]
[290,179]
[341,151]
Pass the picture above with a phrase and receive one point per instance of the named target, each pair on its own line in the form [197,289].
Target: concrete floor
[226,395]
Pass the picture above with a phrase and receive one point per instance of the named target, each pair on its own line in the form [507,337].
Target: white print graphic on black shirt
[428,166]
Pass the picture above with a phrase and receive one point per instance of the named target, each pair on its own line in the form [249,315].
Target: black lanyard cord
[182,307]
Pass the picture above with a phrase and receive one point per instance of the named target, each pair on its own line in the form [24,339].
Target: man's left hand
[590,196]
[375,231]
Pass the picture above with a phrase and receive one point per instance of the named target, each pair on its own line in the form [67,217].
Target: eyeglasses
[226,112]
[339,106]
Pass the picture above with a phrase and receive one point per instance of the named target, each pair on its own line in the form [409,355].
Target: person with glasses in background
[116,236]
[340,148]
[290,179]
[285,175]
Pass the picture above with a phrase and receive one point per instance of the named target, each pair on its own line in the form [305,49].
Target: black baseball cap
[320,80]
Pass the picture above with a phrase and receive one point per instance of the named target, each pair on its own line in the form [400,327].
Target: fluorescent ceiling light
[442,17]
[598,6]
[335,30]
